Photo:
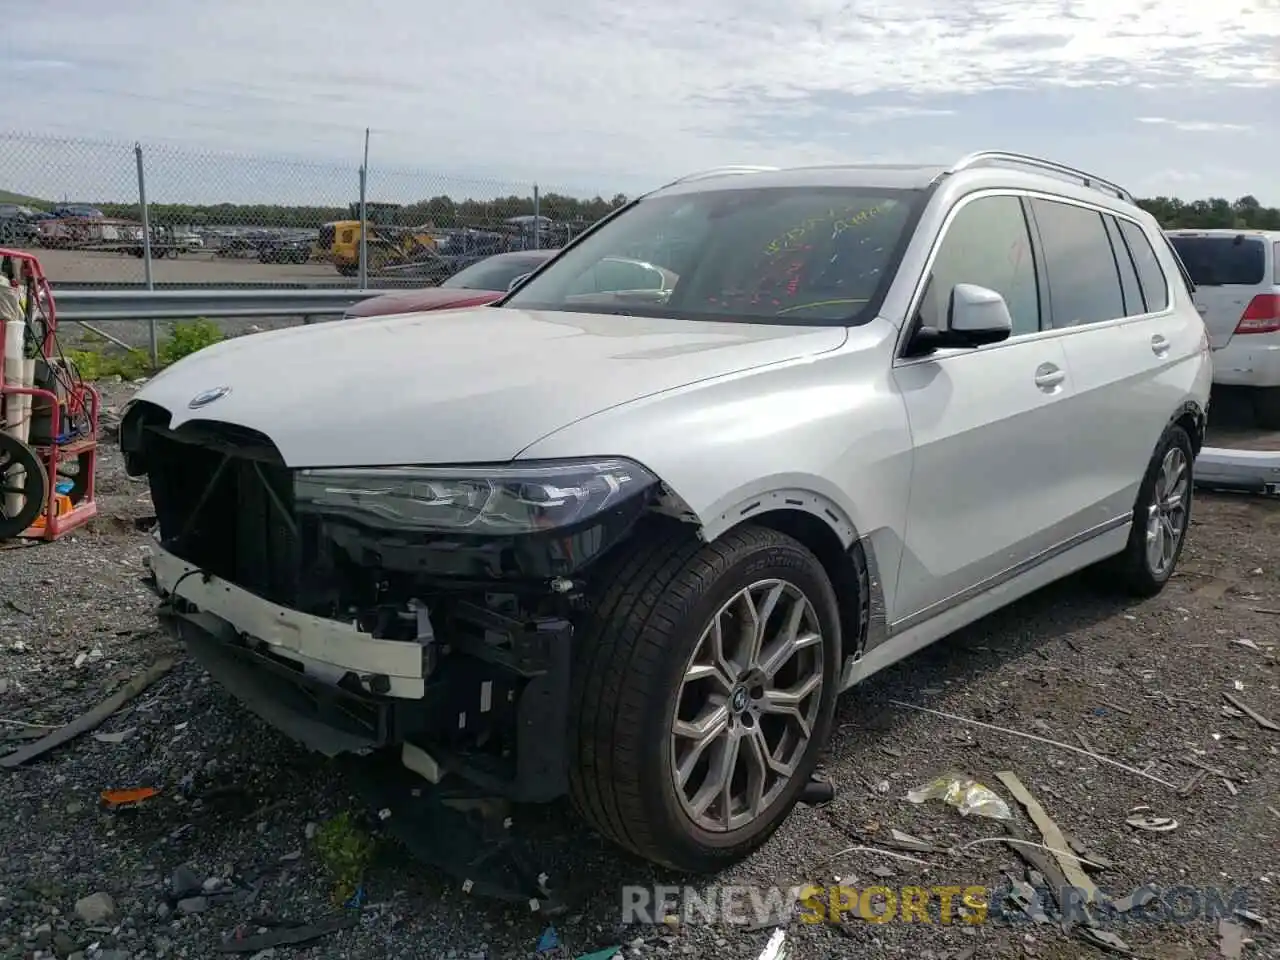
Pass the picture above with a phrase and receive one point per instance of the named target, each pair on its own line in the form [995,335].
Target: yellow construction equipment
[387,244]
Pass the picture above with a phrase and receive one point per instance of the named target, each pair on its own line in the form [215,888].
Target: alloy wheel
[747,705]
[1167,513]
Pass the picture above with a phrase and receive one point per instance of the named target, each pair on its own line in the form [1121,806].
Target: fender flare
[787,498]
[1199,415]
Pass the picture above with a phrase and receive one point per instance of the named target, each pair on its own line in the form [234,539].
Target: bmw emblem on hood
[206,397]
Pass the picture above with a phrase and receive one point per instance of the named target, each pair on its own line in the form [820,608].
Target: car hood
[431,298]
[462,386]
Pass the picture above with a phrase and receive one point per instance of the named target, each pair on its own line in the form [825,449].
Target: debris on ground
[549,940]
[775,949]
[1105,940]
[817,792]
[1032,736]
[119,736]
[1023,896]
[1265,722]
[1255,918]
[864,849]
[1231,939]
[905,841]
[1139,819]
[1087,856]
[1053,837]
[1190,786]
[123,799]
[289,935]
[89,721]
[965,794]
[1138,898]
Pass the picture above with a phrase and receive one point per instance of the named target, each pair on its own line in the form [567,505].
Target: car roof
[885,176]
[980,170]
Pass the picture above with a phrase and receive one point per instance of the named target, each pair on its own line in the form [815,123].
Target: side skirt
[913,633]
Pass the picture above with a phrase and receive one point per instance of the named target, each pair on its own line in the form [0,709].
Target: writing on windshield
[838,221]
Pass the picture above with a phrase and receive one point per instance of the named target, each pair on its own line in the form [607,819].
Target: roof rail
[1003,158]
[720,172]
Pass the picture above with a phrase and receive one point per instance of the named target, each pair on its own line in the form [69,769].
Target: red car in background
[472,286]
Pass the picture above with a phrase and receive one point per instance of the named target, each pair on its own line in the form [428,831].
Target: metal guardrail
[98,305]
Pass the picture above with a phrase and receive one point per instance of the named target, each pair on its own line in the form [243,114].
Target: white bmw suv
[628,540]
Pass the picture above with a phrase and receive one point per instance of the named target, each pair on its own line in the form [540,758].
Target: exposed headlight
[495,500]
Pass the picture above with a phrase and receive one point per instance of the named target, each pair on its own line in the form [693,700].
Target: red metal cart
[47,480]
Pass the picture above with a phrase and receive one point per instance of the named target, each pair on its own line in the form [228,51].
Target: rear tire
[644,682]
[1161,518]
[1266,407]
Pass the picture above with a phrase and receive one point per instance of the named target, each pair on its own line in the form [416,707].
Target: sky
[260,100]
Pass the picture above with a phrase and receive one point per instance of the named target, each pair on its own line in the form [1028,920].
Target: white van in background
[1237,278]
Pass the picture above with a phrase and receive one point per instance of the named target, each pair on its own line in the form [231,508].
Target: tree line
[444,212]
[441,212]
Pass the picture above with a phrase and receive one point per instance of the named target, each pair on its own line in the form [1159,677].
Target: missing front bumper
[266,656]
[324,649]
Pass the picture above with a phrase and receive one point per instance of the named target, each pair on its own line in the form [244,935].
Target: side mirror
[975,316]
[978,315]
[517,281]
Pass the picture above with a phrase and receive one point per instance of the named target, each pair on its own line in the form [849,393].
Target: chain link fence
[108,213]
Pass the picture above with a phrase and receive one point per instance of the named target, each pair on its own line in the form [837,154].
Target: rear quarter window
[1223,261]
[1155,286]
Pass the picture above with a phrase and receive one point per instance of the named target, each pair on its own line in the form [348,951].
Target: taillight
[1262,315]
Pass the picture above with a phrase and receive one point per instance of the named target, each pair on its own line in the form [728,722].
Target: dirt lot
[1140,684]
[84,266]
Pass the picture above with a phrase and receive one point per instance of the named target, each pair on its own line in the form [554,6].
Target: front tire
[703,692]
[1161,518]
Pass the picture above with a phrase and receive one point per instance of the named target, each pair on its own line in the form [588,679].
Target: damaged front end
[424,611]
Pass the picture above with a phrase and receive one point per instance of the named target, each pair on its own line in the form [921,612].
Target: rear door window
[1155,285]
[1084,285]
[1223,261]
[1275,259]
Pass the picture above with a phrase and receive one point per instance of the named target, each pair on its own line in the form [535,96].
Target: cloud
[598,95]
[1197,126]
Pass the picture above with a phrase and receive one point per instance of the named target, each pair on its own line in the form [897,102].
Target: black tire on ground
[656,601]
[1132,571]
[1266,407]
[33,489]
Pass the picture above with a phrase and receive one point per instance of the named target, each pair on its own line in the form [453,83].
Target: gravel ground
[1140,683]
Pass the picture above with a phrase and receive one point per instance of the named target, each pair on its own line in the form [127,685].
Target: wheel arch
[1191,418]
[825,528]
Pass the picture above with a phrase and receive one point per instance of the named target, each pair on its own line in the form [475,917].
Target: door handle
[1159,345]
[1049,376]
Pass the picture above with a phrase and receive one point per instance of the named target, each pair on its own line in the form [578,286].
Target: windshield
[1221,261]
[763,255]
[495,274]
